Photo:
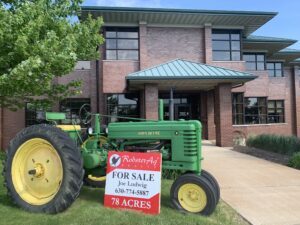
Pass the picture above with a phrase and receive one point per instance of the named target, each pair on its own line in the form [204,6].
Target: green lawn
[88,209]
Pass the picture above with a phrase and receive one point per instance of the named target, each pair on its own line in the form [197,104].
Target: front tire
[43,170]
[193,194]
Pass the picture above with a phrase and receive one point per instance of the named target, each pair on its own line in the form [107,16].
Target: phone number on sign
[131,192]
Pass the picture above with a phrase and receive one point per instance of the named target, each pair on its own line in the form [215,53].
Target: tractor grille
[190,142]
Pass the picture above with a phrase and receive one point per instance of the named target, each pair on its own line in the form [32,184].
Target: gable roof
[184,69]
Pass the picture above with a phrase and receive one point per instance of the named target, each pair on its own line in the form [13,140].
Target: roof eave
[191,78]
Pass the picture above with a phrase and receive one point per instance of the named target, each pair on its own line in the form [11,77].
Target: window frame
[230,40]
[259,114]
[256,54]
[274,70]
[121,29]
[108,106]
[32,121]
[275,110]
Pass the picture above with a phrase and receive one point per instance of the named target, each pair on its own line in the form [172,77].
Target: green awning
[186,74]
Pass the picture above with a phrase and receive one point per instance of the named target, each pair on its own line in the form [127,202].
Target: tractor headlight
[106,130]
[90,131]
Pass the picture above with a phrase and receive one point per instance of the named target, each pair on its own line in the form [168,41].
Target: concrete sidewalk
[261,191]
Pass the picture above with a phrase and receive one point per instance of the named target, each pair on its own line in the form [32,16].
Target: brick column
[207,43]
[297,99]
[143,45]
[151,101]
[210,109]
[223,115]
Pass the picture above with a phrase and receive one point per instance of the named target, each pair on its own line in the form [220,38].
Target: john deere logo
[115,160]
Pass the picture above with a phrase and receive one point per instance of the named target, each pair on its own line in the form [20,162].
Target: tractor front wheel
[43,170]
[193,194]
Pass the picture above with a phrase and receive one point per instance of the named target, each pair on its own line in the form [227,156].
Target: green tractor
[47,164]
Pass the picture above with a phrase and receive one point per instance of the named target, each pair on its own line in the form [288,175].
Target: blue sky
[286,24]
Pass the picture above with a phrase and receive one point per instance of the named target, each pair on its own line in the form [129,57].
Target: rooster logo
[115,160]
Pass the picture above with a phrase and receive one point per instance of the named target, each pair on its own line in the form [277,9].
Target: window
[275,69]
[254,61]
[255,110]
[34,115]
[226,45]
[123,105]
[275,111]
[238,108]
[122,43]
[71,107]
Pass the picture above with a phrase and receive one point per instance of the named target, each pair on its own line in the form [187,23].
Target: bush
[287,145]
[295,161]
[2,155]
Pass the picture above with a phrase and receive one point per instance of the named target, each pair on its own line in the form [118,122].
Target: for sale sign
[133,181]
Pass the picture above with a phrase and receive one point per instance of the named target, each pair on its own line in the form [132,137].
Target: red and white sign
[133,181]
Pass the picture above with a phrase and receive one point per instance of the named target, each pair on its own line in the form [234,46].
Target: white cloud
[129,3]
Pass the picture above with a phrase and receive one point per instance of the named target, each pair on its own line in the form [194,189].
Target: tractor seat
[69,127]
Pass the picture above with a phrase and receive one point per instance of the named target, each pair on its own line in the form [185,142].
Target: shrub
[286,145]
[2,155]
[295,161]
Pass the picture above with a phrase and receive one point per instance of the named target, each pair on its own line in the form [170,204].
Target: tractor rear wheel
[43,171]
[193,194]
[213,181]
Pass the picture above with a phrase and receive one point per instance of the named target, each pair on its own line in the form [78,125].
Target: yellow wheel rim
[192,198]
[37,171]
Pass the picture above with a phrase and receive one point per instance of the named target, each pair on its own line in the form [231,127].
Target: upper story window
[275,69]
[254,61]
[122,43]
[226,45]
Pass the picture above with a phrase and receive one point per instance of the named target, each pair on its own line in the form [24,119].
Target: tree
[39,41]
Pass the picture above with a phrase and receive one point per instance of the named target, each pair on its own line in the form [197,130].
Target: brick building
[235,83]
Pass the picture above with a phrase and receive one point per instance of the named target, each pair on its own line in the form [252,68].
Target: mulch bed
[270,156]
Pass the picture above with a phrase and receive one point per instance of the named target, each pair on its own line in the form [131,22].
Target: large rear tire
[43,170]
[193,194]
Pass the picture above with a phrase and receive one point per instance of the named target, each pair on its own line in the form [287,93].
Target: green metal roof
[183,69]
[290,50]
[255,38]
[248,21]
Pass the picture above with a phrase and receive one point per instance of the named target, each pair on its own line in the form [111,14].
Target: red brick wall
[207,44]
[165,44]
[151,101]
[223,115]
[13,123]
[234,65]
[114,73]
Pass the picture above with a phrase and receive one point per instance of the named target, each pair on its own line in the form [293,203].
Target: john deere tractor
[47,164]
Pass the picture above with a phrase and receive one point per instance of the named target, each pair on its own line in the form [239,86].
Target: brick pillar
[207,43]
[210,109]
[142,104]
[151,101]
[143,45]
[203,114]
[297,99]
[223,115]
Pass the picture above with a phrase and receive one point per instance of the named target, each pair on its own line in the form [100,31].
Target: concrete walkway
[261,191]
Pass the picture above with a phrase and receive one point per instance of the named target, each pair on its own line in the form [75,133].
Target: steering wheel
[85,115]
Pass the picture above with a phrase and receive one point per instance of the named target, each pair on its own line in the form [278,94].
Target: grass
[89,209]
[286,145]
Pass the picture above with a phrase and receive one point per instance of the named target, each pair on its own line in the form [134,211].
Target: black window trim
[229,31]
[274,62]
[267,108]
[122,29]
[256,61]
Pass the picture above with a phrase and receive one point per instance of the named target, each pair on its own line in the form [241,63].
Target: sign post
[133,181]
